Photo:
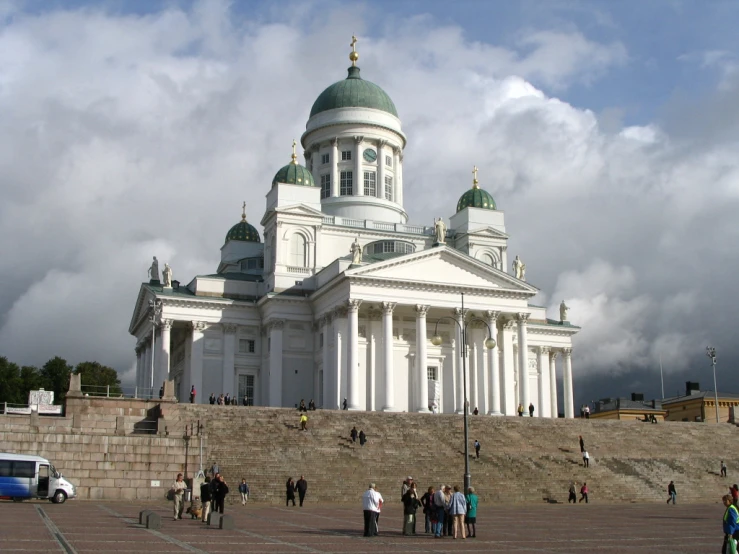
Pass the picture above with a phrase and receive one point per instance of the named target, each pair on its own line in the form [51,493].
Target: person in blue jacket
[730,523]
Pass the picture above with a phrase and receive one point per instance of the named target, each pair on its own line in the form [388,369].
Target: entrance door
[43,481]
[246,389]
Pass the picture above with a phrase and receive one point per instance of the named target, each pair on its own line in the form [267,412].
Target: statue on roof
[519,269]
[154,270]
[440,231]
[563,308]
[167,276]
[356,251]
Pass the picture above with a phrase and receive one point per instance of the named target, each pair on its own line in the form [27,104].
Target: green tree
[10,383]
[55,377]
[96,377]
[30,380]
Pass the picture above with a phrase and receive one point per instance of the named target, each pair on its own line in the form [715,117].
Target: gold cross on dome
[243,212]
[353,55]
[474,173]
[294,156]
[354,41]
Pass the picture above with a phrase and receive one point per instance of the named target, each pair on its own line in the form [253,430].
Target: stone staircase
[521,460]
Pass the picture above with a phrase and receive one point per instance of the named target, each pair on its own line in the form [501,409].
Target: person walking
[723,469]
[244,491]
[353,434]
[178,495]
[362,438]
[411,503]
[520,410]
[584,493]
[458,509]
[212,398]
[161,392]
[427,501]
[192,394]
[302,407]
[531,409]
[477,448]
[573,494]
[214,469]
[582,445]
[440,507]
[470,519]
[206,498]
[303,422]
[290,491]
[730,526]
[302,488]
[371,505]
[448,519]
[672,492]
[219,497]
[587,412]
[586,459]
[344,405]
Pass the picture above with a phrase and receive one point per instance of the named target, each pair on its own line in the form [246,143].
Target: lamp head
[710,351]
[436,340]
[490,343]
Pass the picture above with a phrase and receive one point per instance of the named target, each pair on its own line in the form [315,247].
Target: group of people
[585,411]
[521,410]
[360,435]
[303,408]
[573,493]
[301,487]
[225,400]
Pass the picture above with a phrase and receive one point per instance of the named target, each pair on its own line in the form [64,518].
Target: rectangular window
[246,390]
[370,184]
[326,185]
[389,161]
[325,158]
[246,346]
[346,155]
[431,372]
[345,186]
[24,469]
[5,468]
[388,188]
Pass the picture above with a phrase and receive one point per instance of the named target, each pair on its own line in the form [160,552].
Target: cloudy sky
[606,131]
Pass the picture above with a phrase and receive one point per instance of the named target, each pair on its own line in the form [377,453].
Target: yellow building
[701,406]
[628,410]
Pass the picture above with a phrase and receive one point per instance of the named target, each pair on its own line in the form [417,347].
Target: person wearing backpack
[730,525]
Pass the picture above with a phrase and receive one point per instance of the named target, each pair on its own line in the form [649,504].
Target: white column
[396,179]
[162,373]
[334,181]
[461,393]
[229,358]
[421,359]
[146,373]
[523,362]
[196,362]
[494,364]
[381,168]
[139,365]
[568,396]
[473,369]
[399,178]
[373,333]
[275,362]
[387,355]
[358,174]
[352,355]
[508,371]
[542,374]
[327,370]
[553,385]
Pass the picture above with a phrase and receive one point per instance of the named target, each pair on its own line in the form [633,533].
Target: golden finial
[294,156]
[354,55]
[243,212]
[474,179]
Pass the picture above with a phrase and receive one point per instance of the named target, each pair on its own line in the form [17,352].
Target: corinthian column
[352,355]
[461,378]
[387,355]
[542,374]
[553,384]
[494,364]
[358,174]
[523,362]
[568,396]
[275,362]
[162,373]
[421,361]
[229,358]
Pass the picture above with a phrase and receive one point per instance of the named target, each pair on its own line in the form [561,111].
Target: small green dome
[243,231]
[476,198]
[353,92]
[294,174]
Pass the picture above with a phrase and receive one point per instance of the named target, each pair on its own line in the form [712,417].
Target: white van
[24,477]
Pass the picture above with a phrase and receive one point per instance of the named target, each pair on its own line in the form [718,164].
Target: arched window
[298,252]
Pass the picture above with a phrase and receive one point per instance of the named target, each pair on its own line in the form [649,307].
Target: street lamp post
[711,353]
[436,340]
[156,311]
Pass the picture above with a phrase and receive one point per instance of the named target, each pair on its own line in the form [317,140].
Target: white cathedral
[345,301]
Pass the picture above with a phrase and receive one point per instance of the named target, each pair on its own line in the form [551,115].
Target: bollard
[214,518]
[227,522]
[153,521]
[143,514]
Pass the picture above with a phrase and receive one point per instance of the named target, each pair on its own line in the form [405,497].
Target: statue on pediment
[440,231]
[519,269]
[563,309]
[154,270]
[356,251]
[167,276]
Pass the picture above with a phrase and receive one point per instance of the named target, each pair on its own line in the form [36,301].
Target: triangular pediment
[442,266]
[300,209]
[491,232]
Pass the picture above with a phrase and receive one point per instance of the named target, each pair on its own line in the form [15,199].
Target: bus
[23,477]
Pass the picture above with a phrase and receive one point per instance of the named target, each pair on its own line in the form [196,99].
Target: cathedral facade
[346,301]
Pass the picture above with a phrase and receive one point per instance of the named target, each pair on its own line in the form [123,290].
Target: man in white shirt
[371,504]
[178,493]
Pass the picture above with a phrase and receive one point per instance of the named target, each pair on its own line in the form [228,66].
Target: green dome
[353,92]
[294,174]
[243,231]
[476,198]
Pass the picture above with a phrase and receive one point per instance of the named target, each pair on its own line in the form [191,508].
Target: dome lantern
[294,173]
[243,231]
[476,197]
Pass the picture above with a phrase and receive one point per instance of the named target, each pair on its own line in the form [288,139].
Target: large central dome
[353,92]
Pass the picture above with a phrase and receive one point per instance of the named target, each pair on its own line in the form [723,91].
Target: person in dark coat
[220,494]
[354,434]
[411,503]
[205,498]
[311,405]
[301,486]
[362,438]
[290,490]
[427,501]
